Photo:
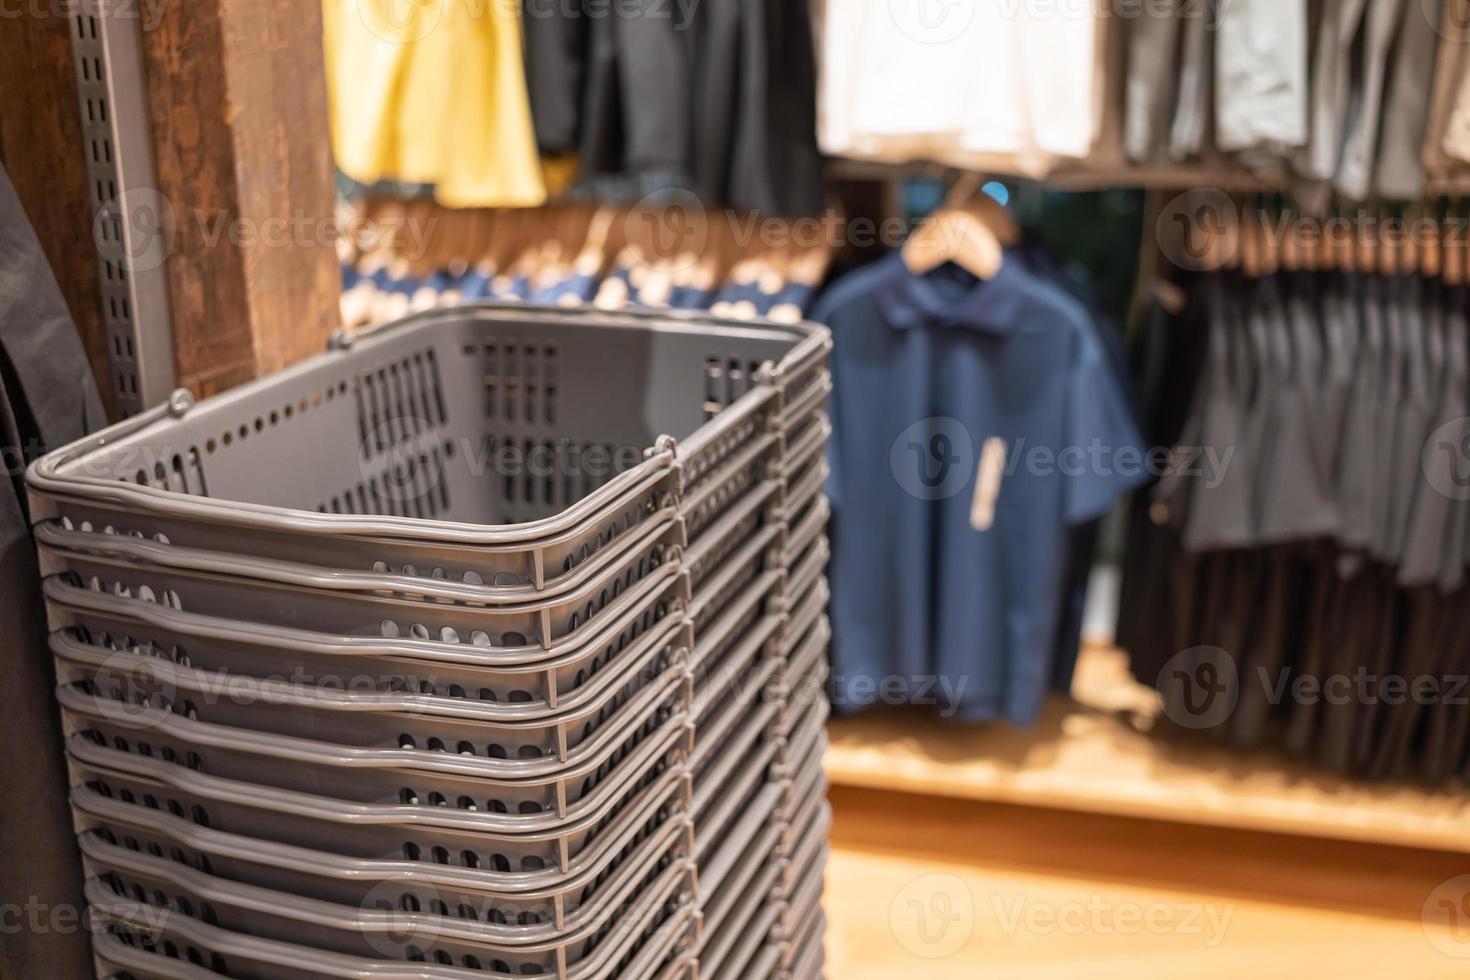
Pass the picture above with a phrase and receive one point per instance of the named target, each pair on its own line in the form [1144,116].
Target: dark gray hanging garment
[47,399]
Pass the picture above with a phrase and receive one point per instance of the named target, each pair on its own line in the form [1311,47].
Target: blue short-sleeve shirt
[967,585]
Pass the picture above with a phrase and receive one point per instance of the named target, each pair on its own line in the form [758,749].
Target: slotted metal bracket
[132,222]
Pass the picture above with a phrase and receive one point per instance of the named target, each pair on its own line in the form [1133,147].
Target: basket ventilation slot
[725,380]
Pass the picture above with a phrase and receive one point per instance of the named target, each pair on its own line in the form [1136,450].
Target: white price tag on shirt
[987,483]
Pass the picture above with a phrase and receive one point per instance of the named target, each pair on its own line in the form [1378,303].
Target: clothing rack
[666,255]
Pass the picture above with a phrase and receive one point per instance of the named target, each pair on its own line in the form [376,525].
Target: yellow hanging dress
[433,92]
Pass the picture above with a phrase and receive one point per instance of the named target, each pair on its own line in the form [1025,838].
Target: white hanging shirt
[965,82]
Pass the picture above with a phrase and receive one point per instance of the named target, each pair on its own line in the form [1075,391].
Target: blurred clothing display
[1400,172]
[983,85]
[47,399]
[432,94]
[736,102]
[1355,162]
[1073,394]
[608,256]
[1330,547]
[1261,74]
[1356,97]
[717,98]
[982,426]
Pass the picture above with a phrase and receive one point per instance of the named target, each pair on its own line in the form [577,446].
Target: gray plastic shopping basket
[407,452]
[442,645]
[132,937]
[526,902]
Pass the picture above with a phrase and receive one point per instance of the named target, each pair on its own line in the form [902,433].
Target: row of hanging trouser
[1314,523]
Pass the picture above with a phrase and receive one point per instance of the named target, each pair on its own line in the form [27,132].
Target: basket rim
[245,897]
[608,795]
[270,951]
[45,476]
[107,813]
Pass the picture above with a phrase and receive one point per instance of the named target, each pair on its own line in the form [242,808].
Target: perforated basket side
[763,963]
[214,590]
[377,832]
[523,742]
[806,956]
[741,915]
[377,777]
[511,684]
[376,926]
[467,891]
[233,954]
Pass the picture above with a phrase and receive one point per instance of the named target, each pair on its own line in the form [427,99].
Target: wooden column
[238,103]
[40,867]
[236,95]
[41,146]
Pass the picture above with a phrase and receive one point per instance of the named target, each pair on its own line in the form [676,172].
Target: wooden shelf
[1097,754]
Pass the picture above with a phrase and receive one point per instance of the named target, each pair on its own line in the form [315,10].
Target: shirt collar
[950,297]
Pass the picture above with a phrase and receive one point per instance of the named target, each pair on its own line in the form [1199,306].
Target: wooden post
[238,104]
[41,146]
[40,867]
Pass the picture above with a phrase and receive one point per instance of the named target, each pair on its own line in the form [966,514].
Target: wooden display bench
[1098,754]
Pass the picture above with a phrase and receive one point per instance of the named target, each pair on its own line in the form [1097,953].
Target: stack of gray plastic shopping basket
[488,643]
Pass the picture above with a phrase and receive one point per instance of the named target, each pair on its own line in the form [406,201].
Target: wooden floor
[1101,844]
[920,886]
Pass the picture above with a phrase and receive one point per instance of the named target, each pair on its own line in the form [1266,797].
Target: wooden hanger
[1223,250]
[970,229]
[1340,241]
[1387,249]
[517,230]
[1251,259]
[1270,243]
[1270,257]
[594,255]
[454,244]
[1452,245]
[1323,255]
[1365,245]
[720,255]
[496,233]
[686,274]
[775,271]
[1431,248]
[404,216]
[1410,257]
[811,265]
[1426,239]
[1290,252]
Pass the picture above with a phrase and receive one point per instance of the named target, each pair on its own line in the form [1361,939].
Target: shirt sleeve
[1103,456]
